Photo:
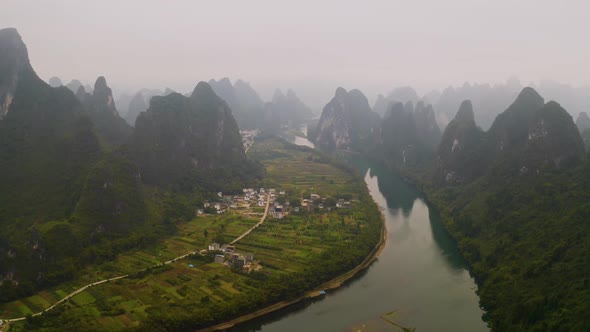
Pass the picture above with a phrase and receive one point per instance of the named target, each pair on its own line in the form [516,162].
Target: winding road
[83,288]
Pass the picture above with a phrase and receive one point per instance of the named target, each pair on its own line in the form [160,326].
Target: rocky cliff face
[14,67]
[64,198]
[531,135]
[553,140]
[510,128]
[347,122]
[182,137]
[460,155]
[409,135]
[528,138]
[47,145]
[111,128]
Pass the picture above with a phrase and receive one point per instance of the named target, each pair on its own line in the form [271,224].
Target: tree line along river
[419,280]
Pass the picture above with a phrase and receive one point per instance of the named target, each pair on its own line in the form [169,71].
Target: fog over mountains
[170,132]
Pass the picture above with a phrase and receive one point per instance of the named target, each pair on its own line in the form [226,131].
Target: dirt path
[83,288]
[258,224]
[69,296]
[334,283]
[249,146]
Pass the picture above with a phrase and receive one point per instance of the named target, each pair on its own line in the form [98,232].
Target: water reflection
[399,195]
[420,274]
[298,140]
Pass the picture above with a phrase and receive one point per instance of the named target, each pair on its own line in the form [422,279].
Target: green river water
[419,280]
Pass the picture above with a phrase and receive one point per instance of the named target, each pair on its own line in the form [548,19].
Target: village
[248,138]
[257,199]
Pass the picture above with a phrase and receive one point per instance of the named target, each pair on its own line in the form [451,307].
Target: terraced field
[194,289]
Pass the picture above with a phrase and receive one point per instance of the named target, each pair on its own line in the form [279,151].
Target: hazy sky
[312,46]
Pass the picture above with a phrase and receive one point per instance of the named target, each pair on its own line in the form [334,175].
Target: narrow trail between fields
[96,283]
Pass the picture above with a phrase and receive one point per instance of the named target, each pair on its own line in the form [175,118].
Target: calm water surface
[298,139]
[419,275]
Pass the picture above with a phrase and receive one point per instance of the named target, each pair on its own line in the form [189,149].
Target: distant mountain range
[529,137]
[285,110]
[488,100]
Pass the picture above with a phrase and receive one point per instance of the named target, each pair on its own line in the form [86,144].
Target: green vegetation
[526,240]
[73,194]
[516,200]
[100,107]
[297,253]
[347,121]
[191,143]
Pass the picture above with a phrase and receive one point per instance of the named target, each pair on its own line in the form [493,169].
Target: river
[419,276]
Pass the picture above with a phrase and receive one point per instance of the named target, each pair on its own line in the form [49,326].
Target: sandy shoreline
[332,284]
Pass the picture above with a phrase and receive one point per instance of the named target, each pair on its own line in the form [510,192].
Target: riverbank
[420,274]
[196,293]
[329,285]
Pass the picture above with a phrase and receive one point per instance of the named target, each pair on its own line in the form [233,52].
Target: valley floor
[299,252]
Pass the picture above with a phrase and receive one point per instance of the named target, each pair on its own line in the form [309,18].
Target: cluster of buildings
[248,137]
[315,200]
[228,256]
[278,208]
[250,197]
[245,201]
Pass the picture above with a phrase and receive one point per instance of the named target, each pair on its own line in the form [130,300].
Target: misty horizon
[294,165]
[371,47]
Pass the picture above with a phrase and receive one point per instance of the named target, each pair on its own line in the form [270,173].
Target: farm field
[196,292]
[190,238]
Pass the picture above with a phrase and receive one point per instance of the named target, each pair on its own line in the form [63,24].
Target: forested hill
[74,192]
[191,141]
[516,200]
[347,122]
[101,108]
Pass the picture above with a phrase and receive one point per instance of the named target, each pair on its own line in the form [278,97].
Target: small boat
[322,292]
